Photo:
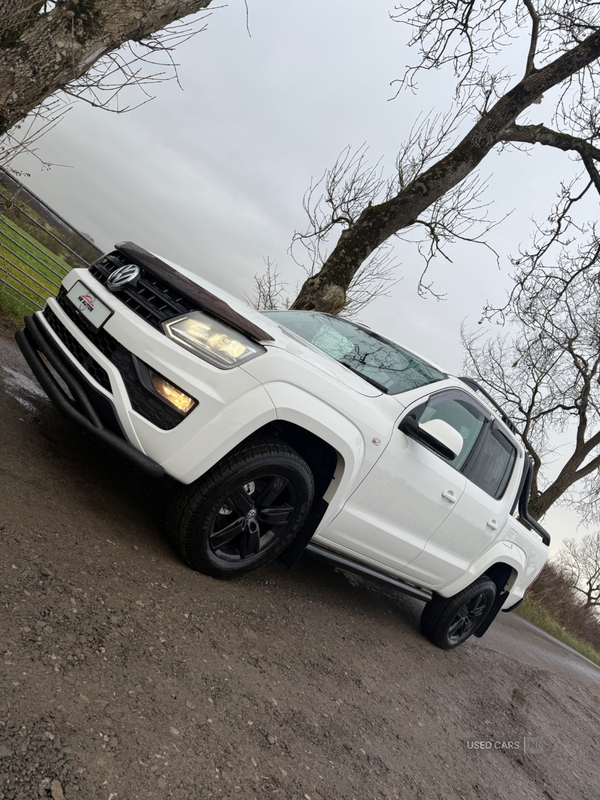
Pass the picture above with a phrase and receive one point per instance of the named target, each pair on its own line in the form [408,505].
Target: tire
[448,622]
[244,512]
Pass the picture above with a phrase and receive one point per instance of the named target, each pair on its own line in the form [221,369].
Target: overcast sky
[213,176]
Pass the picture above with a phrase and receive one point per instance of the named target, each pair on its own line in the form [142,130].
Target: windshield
[379,361]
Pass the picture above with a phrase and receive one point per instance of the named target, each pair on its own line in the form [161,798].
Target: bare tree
[430,190]
[87,50]
[270,292]
[546,369]
[579,564]
[337,197]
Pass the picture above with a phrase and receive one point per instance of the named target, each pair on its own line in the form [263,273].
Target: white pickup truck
[295,431]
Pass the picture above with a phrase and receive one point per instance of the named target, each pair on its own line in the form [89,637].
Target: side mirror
[436,434]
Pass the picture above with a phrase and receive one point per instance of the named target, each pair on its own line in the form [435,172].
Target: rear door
[479,516]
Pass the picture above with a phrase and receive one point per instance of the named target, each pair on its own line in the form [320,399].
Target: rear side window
[493,465]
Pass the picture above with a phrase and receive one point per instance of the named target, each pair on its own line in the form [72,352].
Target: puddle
[21,388]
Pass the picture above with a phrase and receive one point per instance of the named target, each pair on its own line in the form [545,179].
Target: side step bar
[343,563]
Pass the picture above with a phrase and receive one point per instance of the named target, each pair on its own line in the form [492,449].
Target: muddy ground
[126,675]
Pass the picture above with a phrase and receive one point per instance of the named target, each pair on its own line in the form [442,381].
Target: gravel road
[126,675]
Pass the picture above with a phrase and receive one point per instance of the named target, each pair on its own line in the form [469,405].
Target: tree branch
[533,40]
[380,221]
[540,134]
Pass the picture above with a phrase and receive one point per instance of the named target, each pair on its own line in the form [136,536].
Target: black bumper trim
[31,342]
[41,344]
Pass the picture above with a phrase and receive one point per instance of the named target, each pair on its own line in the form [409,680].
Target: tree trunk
[326,291]
[543,502]
[41,53]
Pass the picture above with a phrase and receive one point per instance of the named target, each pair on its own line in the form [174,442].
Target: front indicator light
[172,394]
[211,339]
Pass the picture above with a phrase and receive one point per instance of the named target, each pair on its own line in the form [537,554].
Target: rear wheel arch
[503,575]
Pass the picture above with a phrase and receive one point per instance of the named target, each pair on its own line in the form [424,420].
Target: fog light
[172,394]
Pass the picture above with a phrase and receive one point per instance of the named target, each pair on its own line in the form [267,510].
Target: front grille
[143,401]
[89,363]
[151,298]
[99,338]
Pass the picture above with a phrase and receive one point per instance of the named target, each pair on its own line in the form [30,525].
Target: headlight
[211,339]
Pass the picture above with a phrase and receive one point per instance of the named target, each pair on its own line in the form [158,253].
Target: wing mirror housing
[435,434]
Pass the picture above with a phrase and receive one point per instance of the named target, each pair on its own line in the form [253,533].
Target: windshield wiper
[367,378]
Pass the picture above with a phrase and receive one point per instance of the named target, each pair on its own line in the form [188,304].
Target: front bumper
[82,402]
[112,364]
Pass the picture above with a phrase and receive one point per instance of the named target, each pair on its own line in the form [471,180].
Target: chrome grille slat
[152,298]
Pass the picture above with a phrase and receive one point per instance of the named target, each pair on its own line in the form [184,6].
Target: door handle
[493,524]
[449,495]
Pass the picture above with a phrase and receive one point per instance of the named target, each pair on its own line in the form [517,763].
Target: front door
[410,491]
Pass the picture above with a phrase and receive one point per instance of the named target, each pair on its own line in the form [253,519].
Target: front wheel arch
[321,456]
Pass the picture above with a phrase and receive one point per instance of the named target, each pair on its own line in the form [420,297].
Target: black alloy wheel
[448,622]
[244,512]
[252,517]
[467,618]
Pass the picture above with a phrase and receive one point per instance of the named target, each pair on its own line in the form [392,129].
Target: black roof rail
[478,388]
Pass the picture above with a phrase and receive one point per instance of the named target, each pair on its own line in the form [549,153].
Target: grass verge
[533,611]
[13,309]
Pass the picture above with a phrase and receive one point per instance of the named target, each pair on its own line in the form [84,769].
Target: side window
[493,465]
[458,411]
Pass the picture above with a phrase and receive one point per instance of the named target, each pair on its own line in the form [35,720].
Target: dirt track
[125,675]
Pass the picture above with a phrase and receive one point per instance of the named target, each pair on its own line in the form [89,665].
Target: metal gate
[37,248]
